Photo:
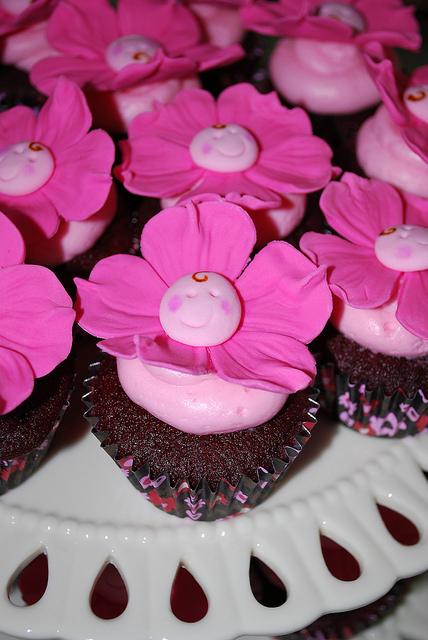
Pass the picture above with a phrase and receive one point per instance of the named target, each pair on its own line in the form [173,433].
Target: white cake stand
[81,511]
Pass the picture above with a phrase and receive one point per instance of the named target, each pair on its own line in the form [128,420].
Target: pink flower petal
[354,273]
[87,73]
[33,213]
[120,299]
[417,140]
[235,187]
[390,23]
[16,380]
[159,68]
[267,361]
[280,286]
[162,351]
[416,209]
[37,316]
[17,125]
[412,304]
[12,247]
[361,209]
[122,347]
[186,239]
[383,73]
[86,164]
[419,76]
[65,117]
[273,18]
[208,56]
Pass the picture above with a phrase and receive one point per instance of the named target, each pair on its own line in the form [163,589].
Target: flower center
[343,13]
[15,7]
[130,49]
[225,148]
[201,310]
[24,168]
[403,248]
[416,101]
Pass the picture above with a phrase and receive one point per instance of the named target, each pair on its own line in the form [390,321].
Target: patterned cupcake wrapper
[341,626]
[15,471]
[203,503]
[373,412]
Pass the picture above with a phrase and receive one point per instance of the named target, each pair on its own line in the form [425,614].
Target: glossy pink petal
[37,10]
[12,247]
[273,18]
[65,117]
[208,56]
[360,209]
[389,22]
[416,209]
[122,347]
[162,351]
[298,164]
[169,23]
[88,165]
[86,73]
[280,285]
[412,304]
[267,361]
[17,125]
[419,76]
[186,239]
[16,380]
[383,74]
[161,67]
[37,316]
[417,140]
[120,299]
[31,213]
[354,272]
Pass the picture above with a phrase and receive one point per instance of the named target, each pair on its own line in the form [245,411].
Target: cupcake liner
[372,412]
[15,471]
[203,502]
[344,625]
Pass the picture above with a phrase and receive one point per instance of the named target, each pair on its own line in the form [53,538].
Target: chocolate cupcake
[35,337]
[379,277]
[208,401]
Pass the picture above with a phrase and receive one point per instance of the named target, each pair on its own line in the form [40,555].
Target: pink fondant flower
[284,299]
[383,253]
[17,15]
[388,22]
[143,40]
[406,99]
[50,166]
[35,320]
[245,145]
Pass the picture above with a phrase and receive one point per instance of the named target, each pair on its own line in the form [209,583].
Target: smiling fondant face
[130,49]
[200,310]
[24,168]
[15,7]
[416,101]
[343,13]
[224,148]
[403,248]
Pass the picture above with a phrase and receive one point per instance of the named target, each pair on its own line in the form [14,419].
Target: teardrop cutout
[268,589]
[339,561]
[188,600]
[29,584]
[399,527]
[109,597]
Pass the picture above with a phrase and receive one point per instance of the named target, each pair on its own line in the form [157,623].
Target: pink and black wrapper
[372,412]
[202,503]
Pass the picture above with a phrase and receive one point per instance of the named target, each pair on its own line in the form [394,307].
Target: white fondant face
[24,168]
[403,248]
[225,148]
[416,101]
[200,310]
[15,7]
[130,49]
[344,13]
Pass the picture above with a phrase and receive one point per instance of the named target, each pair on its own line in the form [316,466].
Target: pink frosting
[220,21]
[141,41]
[43,157]
[18,14]
[324,77]
[284,300]
[26,47]
[379,266]
[35,321]
[360,22]
[73,237]
[197,404]
[197,145]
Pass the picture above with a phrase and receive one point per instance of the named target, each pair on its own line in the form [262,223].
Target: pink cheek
[405,251]
[175,303]
[225,305]
[207,148]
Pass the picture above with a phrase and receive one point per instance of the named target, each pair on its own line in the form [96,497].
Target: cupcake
[55,176]
[35,337]
[146,52]
[392,145]
[206,399]
[262,156]
[378,274]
